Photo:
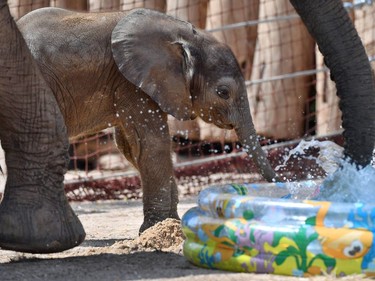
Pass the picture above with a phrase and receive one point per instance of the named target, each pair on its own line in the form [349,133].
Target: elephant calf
[130,70]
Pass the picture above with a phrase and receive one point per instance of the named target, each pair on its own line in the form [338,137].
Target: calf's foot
[155,216]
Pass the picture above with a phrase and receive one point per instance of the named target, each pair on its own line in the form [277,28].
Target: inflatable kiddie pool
[232,230]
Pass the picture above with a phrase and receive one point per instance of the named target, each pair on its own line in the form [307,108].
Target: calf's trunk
[248,138]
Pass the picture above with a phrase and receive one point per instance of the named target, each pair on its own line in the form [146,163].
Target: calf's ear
[150,51]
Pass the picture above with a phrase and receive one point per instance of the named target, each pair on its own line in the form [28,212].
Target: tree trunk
[158,5]
[77,5]
[104,5]
[283,47]
[19,8]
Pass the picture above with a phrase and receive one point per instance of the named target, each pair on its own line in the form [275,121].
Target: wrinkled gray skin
[345,56]
[131,70]
[34,214]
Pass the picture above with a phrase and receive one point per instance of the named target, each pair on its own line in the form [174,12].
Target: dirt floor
[114,251]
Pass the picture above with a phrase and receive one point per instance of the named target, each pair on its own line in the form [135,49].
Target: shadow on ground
[136,266]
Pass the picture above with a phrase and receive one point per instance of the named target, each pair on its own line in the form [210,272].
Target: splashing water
[344,182]
[348,184]
[329,154]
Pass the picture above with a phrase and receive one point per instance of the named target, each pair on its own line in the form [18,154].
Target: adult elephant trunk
[330,25]
[34,214]
[247,136]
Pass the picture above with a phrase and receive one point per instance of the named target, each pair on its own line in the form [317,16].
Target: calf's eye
[223,92]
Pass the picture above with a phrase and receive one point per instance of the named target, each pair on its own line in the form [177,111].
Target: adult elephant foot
[35,215]
[34,223]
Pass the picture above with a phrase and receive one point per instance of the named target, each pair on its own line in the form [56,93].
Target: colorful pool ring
[231,230]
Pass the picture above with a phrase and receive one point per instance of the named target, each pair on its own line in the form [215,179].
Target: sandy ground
[114,251]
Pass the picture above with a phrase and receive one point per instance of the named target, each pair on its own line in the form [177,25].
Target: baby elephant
[130,70]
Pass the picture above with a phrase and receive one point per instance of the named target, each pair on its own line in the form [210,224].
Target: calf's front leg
[144,139]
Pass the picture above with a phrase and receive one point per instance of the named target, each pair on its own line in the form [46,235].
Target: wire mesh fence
[289,91]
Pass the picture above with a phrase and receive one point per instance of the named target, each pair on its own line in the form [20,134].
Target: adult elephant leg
[344,54]
[145,141]
[34,214]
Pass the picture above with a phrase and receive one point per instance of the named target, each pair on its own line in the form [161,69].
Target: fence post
[158,5]
[19,8]
[104,5]
[283,47]
[77,5]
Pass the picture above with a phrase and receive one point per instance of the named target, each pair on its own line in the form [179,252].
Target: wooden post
[77,5]
[328,114]
[104,5]
[193,11]
[365,25]
[241,40]
[19,8]
[283,47]
[158,5]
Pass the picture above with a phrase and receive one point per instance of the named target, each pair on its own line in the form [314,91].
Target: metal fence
[289,90]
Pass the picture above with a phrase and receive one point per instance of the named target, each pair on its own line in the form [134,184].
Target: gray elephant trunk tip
[260,159]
